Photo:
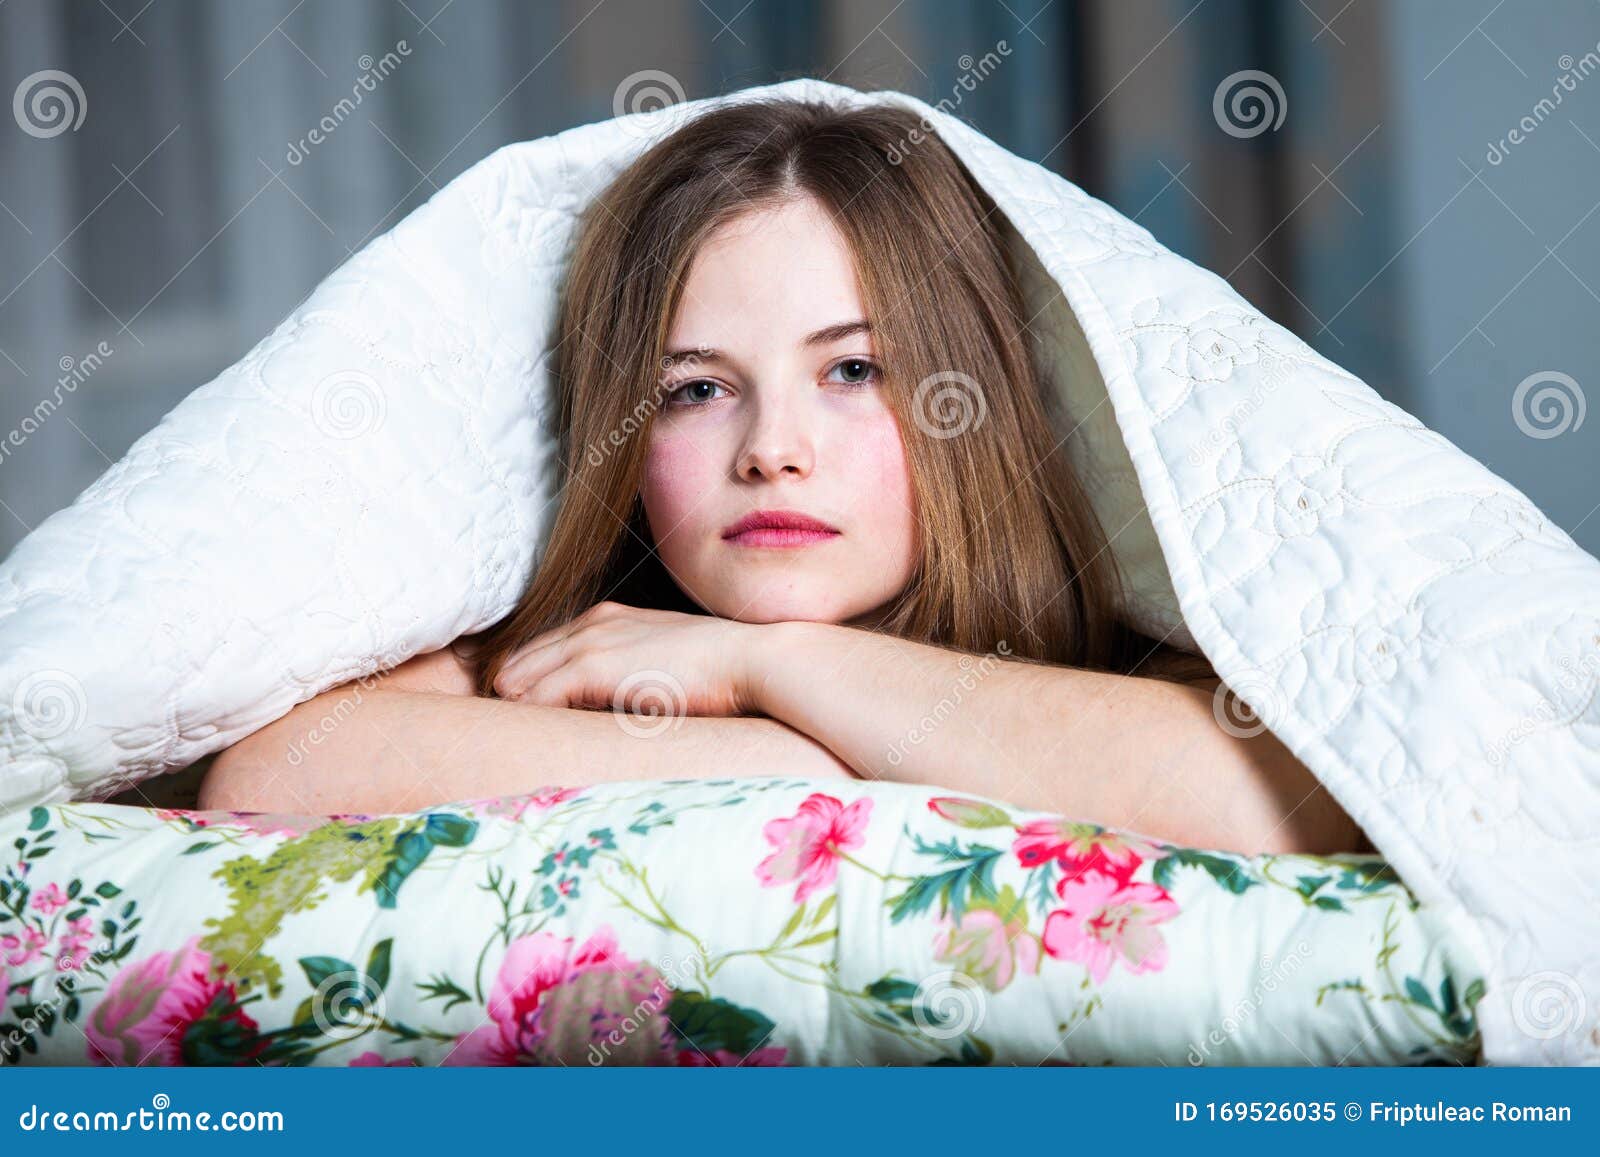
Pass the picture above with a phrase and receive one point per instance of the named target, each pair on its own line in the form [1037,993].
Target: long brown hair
[1012,555]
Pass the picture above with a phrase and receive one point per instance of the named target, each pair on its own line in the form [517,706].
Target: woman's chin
[783,610]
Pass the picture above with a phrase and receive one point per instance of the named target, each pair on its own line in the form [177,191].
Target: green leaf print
[1231,874]
[710,1023]
[291,879]
[973,876]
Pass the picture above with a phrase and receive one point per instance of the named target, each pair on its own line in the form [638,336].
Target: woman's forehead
[781,274]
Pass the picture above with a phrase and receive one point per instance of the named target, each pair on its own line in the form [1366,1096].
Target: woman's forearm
[1126,752]
[379,751]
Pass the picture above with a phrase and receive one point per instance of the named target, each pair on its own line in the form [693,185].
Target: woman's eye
[695,393]
[856,371]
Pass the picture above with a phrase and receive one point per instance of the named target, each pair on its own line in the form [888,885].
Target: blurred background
[1410,185]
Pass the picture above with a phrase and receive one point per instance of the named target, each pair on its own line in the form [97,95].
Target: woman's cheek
[674,481]
[883,469]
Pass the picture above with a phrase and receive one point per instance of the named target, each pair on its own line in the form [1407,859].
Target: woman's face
[772,402]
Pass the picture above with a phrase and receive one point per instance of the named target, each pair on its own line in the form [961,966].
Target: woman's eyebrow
[838,332]
[693,355]
[827,335]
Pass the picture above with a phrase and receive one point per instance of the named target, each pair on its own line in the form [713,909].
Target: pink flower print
[261,823]
[1081,848]
[75,944]
[149,1006]
[273,823]
[987,947]
[24,948]
[511,807]
[810,841]
[371,1059]
[551,1004]
[50,900]
[1103,919]
[197,818]
[724,1059]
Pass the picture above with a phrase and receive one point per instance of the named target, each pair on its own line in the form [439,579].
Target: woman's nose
[776,444]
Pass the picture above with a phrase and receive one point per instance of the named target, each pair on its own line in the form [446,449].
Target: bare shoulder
[443,672]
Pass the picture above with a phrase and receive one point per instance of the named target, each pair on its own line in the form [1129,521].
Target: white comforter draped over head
[371,481]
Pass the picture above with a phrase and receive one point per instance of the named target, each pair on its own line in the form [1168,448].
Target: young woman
[814,520]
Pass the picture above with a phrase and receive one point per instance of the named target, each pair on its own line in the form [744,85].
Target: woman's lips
[780,536]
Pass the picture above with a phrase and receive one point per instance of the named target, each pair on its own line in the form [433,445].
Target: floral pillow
[747,921]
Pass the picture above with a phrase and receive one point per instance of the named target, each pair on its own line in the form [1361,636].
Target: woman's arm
[417,736]
[1121,751]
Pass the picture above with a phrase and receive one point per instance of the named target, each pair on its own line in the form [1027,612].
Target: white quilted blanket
[369,483]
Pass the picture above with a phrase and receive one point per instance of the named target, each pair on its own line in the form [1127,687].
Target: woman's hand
[638,661]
